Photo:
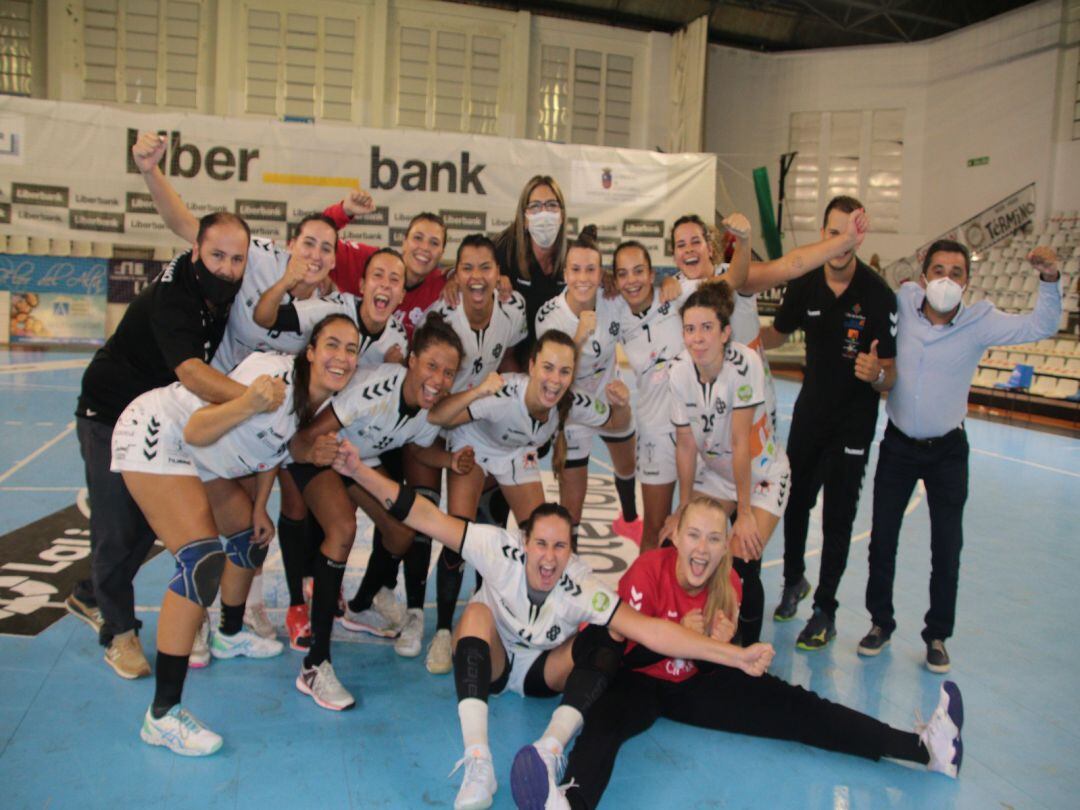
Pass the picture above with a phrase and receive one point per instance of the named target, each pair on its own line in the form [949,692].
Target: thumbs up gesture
[867,366]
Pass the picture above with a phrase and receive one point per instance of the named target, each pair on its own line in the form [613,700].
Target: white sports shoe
[244,643]
[534,779]
[200,648]
[391,609]
[941,736]
[256,617]
[440,654]
[478,787]
[412,634]
[369,621]
[322,684]
[180,732]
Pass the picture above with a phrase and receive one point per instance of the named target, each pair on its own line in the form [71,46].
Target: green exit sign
[979,161]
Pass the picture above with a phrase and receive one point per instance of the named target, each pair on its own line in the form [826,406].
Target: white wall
[997,89]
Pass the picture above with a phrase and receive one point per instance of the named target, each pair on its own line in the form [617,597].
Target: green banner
[769,232]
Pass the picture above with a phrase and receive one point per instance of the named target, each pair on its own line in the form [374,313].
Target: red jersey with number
[651,587]
[348,274]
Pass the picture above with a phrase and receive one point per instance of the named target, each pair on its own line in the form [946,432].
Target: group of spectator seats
[1005,278]
[17,244]
[1056,362]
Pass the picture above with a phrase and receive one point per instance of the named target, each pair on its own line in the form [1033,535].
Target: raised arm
[454,410]
[766,275]
[147,152]
[675,641]
[739,269]
[416,513]
[1002,329]
[266,311]
[211,422]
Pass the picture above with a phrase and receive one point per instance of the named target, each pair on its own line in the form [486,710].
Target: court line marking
[51,365]
[1034,464]
[59,437]
[40,489]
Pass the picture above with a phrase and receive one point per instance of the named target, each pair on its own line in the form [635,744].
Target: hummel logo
[854,451]
[813,313]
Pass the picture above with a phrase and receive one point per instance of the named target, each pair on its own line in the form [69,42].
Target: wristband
[399,509]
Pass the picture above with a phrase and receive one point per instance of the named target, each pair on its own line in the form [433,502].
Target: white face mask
[544,227]
[944,294]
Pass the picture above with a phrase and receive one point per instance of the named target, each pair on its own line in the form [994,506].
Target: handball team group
[372,378]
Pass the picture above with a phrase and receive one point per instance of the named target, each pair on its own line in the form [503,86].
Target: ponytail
[302,404]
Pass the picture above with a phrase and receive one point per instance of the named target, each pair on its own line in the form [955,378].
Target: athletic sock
[449,572]
[494,509]
[313,538]
[291,537]
[752,608]
[232,619]
[473,714]
[417,564]
[169,674]
[627,497]
[379,563]
[328,576]
[566,721]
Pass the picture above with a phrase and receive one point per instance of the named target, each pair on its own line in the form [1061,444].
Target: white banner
[66,172]
[984,230]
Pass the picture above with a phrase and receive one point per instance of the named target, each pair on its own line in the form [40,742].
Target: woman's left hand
[263,526]
[723,629]
[747,540]
[670,289]
[462,461]
[347,462]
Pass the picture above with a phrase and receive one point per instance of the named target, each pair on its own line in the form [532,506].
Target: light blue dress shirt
[934,364]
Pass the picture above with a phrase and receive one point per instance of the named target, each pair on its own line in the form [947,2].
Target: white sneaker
[412,634]
[440,654]
[244,643]
[322,684]
[534,779]
[200,648]
[180,732]
[941,736]
[391,609]
[478,787]
[369,621]
[256,617]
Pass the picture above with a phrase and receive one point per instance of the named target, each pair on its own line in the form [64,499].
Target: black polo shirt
[537,289]
[167,323]
[837,329]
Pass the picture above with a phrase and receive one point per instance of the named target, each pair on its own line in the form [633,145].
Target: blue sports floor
[69,725]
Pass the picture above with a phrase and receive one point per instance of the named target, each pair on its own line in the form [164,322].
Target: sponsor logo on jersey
[744,393]
[600,601]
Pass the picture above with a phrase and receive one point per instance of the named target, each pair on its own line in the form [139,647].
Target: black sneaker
[789,601]
[874,642]
[819,631]
[937,658]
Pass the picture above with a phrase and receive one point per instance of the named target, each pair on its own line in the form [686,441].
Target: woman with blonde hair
[691,584]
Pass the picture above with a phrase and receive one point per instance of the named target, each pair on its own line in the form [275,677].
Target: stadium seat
[1066,388]
[1044,386]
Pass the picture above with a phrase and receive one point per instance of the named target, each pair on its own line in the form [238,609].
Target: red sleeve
[638,585]
[337,213]
[736,583]
[352,259]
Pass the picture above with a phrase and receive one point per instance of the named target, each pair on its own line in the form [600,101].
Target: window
[870,168]
[448,80]
[142,51]
[583,96]
[300,65]
[15,61]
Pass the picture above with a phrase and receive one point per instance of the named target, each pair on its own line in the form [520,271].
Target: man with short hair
[939,346]
[848,314]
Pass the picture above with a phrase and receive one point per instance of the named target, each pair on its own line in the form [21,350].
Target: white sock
[566,721]
[255,594]
[473,714]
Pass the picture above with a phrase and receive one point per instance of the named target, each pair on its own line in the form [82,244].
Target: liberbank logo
[187,160]
[417,175]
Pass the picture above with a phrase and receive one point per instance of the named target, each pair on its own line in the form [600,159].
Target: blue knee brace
[198,571]
[242,553]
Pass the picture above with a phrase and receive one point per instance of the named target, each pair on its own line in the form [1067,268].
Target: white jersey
[651,340]
[746,329]
[484,348]
[374,415]
[502,422]
[373,348]
[578,597]
[707,408]
[265,266]
[597,365]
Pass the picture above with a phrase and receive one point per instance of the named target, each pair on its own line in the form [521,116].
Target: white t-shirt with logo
[374,415]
